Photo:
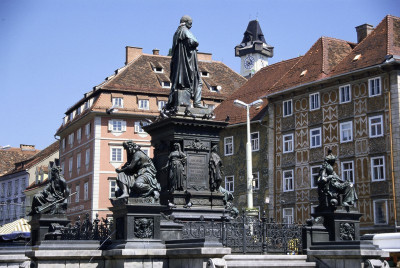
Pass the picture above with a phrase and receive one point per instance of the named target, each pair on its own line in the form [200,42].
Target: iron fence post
[264,233]
[223,231]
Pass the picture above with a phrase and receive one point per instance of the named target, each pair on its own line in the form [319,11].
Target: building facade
[342,96]
[94,128]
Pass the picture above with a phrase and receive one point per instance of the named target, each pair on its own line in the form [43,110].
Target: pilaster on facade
[96,165]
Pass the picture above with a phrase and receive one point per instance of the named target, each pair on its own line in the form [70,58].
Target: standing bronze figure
[53,198]
[176,169]
[331,187]
[185,78]
[137,177]
[216,172]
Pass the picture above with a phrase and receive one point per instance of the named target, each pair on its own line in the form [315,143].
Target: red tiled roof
[13,155]
[43,154]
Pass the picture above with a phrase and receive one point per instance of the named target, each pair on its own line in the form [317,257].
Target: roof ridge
[277,81]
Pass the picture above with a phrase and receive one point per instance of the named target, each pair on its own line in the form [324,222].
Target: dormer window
[215,88]
[158,70]
[78,111]
[303,73]
[357,57]
[205,74]
[118,102]
[165,84]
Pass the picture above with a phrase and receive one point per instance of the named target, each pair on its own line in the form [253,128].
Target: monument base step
[268,261]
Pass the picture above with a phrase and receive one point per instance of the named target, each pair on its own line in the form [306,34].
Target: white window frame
[117,102]
[62,167]
[165,84]
[315,102]
[157,70]
[375,212]
[315,137]
[289,143]
[143,104]
[63,144]
[286,105]
[113,186]
[87,158]
[347,172]
[375,126]
[78,161]
[87,130]
[86,191]
[288,217]
[161,104]
[286,181]
[70,165]
[79,135]
[255,142]
[78,192]
[380,169]
[116,148]
[117,125]
[138,127]
[342,125]
[71,139]
[16,186]
[230,183]
[345,94]
[256,181]
[314,171]
[228,146]
[374,86]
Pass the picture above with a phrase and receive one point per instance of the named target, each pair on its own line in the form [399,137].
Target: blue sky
[53,51]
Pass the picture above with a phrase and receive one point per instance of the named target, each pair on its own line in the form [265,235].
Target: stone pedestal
[137,224]
[196,135]
[43,225]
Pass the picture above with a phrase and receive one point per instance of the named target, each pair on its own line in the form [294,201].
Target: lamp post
[249,163]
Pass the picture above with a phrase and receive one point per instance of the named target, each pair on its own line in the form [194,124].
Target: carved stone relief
[347,231]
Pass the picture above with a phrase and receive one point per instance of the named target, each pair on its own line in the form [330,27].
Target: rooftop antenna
[257,16]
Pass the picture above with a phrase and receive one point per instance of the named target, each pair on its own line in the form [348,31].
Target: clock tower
[253,50]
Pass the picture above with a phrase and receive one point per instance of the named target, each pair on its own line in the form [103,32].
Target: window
[86,191]
[138,126]
[376,126]
[256,181]
[3,189]
[62,167]
[77,190]
[69,200]
[87,130]
[116,154]
[344,94]
[71,139]
[161,104]
[113,187]
[348,171]
[63,145]
[78,162]
[9,188]
[229,183]
[346,132]
[228,145]
[288,181]
[165,84]
[117,102]
[288,143]
[87,158]
[116,125]
[79,135]
[315,137]
[78,111]
[255,141]
[288,215]
[204,73]
[381,215]
[215,88]
[16,185]
[144,104]
[23,185]
[374,86]
[287,108]
[70,166]
[158,70]
[378,168]
[146,151]
[314,101]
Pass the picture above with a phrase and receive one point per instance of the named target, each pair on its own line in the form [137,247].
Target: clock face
[249,62]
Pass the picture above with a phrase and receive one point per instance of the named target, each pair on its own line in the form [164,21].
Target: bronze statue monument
[176,169]
[52,199]
[216,172]
[331,186]
[185,78]
[137,177]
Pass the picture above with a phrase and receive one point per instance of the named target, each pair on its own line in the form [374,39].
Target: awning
[15,229]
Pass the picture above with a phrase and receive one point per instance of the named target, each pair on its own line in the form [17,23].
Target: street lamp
[249,163]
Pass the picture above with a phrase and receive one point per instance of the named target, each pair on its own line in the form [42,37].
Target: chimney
[25,147]
[132,53]
[363,31]
[204,56]
[156,51]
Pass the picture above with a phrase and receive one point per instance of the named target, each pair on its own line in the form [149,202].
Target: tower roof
[253,33]
[254,42]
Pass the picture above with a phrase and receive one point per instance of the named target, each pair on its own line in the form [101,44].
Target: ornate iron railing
[247,234]
[87,230]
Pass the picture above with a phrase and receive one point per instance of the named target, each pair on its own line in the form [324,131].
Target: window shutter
[123,124]
[110,125]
